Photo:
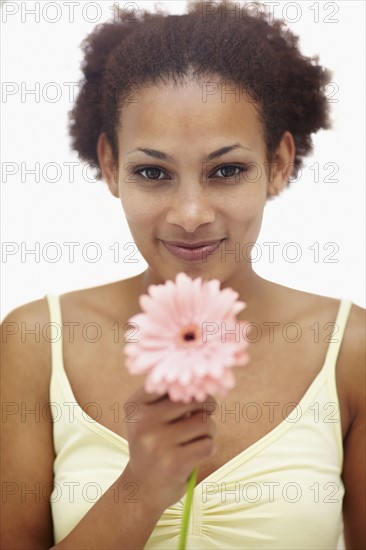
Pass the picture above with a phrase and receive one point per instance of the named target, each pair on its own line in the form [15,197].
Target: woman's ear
[282,165]
[107,164]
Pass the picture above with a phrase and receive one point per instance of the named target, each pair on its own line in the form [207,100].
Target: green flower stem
[187,509]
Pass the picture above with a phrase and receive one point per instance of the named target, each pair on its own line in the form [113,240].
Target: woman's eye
[151,171]
[227,171]
[230,170]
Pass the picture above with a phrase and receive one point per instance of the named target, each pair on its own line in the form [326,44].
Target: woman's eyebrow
[163,156]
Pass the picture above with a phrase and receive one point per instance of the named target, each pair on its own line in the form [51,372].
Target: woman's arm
[354,468]
[26,434]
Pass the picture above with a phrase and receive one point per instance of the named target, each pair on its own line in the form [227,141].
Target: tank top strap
[336,338]
[56,331]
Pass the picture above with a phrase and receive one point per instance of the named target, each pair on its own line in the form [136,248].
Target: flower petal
[187,371]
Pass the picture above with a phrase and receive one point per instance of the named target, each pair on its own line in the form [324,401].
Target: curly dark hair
[243,47]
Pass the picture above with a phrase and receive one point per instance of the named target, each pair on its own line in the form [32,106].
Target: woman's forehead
[184,112]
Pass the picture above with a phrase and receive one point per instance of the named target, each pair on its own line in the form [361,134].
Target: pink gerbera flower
[188,339]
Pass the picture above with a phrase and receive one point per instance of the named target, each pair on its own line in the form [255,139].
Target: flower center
[188,336]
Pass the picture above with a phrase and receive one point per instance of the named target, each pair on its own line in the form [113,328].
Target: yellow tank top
[283,492]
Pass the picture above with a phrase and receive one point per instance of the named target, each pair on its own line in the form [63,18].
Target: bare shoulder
[308,308]
[23,341]
[350,369]
[36,310]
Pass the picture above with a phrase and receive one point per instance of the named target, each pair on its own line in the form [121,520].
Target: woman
[102,464]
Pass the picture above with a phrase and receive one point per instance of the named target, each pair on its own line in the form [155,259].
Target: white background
[34,130]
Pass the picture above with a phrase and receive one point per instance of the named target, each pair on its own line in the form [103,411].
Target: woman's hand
[166,443]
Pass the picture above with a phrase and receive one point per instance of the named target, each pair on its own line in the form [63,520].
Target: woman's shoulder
[320,313]
[318,307]
[350,364]
[26,323]
[23,329]
[26,353]
[307,304]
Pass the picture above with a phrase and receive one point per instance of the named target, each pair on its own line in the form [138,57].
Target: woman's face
[188,188]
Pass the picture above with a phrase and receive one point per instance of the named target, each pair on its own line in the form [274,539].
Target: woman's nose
[190,208]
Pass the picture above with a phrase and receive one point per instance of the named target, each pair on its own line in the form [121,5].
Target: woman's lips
[192,254]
